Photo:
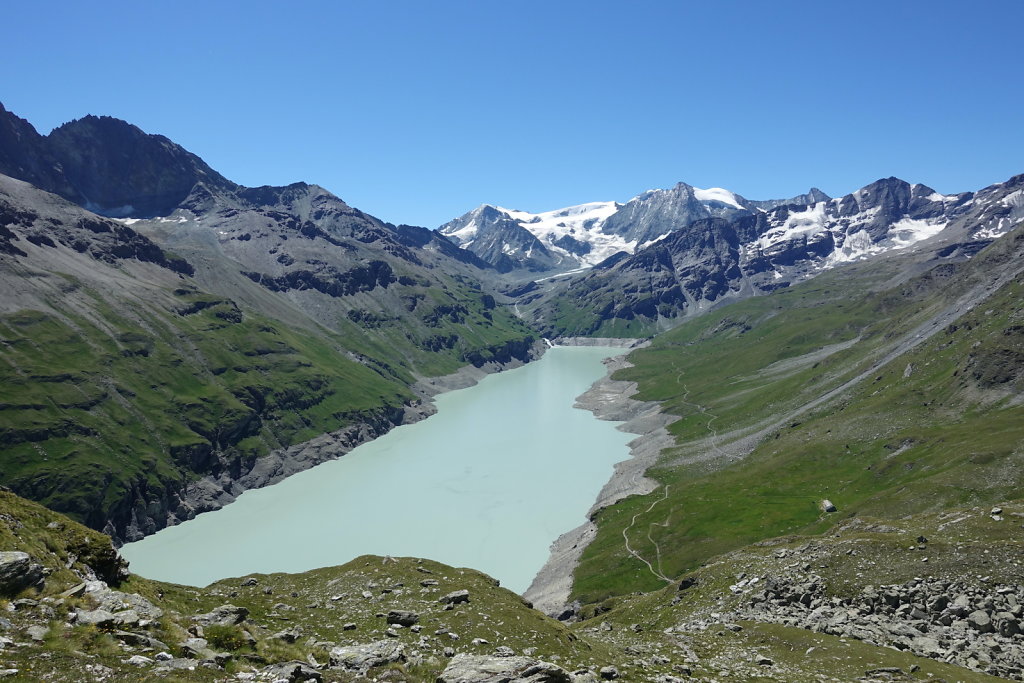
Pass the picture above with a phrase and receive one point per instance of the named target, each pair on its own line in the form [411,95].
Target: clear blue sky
[418,111]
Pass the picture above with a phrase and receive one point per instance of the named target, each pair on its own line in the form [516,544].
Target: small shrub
[229,638]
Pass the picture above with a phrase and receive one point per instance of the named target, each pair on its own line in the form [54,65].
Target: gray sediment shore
[612,400]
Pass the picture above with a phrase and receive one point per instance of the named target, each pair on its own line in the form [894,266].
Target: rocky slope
[774,611]
[715,260]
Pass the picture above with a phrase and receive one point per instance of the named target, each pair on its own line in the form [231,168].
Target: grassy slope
[92,410]
[947,432]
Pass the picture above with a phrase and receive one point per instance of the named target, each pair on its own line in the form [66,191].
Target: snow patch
[806,223]
[716,194]
[908,231]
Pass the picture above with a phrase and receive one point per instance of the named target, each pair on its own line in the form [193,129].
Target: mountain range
[833,476]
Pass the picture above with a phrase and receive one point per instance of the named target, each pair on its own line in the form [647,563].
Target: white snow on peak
[901,234]
[581,222]
[908,231]
[808,222]
[716,194]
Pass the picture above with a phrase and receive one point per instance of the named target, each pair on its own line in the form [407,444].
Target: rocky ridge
[715,260]
[582,236]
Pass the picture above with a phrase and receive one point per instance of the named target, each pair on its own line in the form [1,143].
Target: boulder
[100,618]
[127,618]
[18,572]
[289,635]
[37,633]
[980,620]
[363,657]
[402,617]
[466,668]
[116,601]
[454,598]
[225,615]
[195,647]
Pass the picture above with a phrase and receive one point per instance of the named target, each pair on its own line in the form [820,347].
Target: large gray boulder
[466,668]
[99,618]
[18,572]
[116,602]
[402,617]
[363,657]
[454,598]
[225,615]
[980,620]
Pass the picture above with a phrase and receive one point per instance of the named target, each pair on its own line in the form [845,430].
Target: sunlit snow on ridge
[717,194]
[582,222]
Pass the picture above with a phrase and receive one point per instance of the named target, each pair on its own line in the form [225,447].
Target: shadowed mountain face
[105,165]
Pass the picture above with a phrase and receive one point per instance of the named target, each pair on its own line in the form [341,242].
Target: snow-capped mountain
[584,235]
[716,259]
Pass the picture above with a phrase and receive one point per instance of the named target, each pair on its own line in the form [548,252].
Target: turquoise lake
[502,470]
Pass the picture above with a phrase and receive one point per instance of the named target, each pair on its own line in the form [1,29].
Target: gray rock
[402,617]
[465,668]
[127,618]
[74,592]
[454,598]
[37,633]
[289,635]
[138,660]
[18,572]
[99,618]
[293,672]
[364,657]
[194,647]
[225,615]
[980,620]
[116,601]
[609,673]
[828,506]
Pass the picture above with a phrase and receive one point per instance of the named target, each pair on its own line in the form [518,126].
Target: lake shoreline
[215,492]
[611,400]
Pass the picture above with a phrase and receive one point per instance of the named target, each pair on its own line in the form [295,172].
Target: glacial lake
[489,482]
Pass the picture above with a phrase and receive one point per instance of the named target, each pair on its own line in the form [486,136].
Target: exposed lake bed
[490,481]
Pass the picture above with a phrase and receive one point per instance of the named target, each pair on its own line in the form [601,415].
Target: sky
[417,112]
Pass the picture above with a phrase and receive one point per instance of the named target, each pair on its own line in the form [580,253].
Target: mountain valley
[841,378]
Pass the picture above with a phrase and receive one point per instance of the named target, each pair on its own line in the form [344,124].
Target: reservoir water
[488,482]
